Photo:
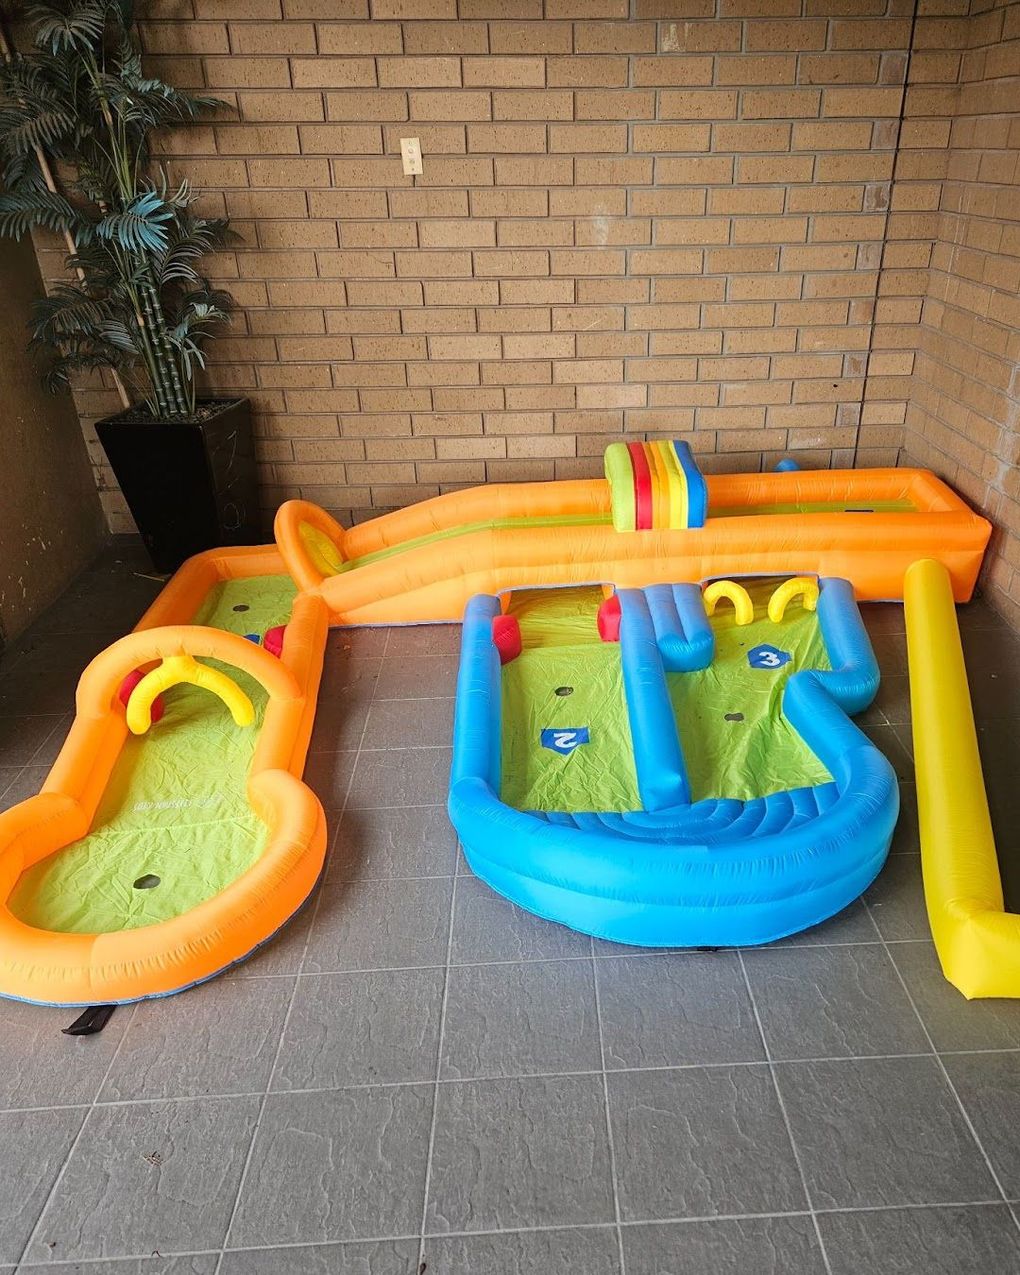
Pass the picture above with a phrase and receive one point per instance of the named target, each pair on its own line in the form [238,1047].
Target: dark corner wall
[51,522]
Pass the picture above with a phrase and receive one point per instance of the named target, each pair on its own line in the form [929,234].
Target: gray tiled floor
[416,1071]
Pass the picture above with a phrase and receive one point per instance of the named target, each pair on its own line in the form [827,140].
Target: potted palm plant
[77,115]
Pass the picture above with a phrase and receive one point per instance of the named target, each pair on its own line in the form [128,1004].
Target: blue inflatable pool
[628,765]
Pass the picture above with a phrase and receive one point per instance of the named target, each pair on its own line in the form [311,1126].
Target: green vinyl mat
[174,827]
[735,740]
[565,680]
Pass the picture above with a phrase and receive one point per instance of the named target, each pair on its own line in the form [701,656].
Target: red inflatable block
[609,619]
[273,641]
[129,684]
[506,634]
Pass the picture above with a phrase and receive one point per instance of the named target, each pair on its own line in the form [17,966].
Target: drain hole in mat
[734,717]
[564,690]
[242,606]
[148,882]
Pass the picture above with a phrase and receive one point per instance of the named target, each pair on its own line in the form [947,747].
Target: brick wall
[964,415]
[661,222]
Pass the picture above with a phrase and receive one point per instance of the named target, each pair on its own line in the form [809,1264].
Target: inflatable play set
[653,739]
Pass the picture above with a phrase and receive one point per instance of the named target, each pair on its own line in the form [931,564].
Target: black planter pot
[189,486]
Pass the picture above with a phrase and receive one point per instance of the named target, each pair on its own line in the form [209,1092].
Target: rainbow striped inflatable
[655,485]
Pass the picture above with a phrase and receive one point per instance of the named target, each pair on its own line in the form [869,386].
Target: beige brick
[435,72]
[259,139]
[329,73]
[450,106]
[548,345]
[271,37]
[580,138]
[291,106]
[353,204]
[467,233]
[748,138]
[861,101]
[745,69]
[694,170]
[510,203]
[511,139]
[614,104]
[587,72]
[348,139]
[237,72]
[474,170]
[506,72]
[428,203]
[797,37]
[687,71]
[697,104]
[446,37]
[614,37]
[531,37]
[780,103]
[774,170]
[671,137]
[288,172]
[544,170]
[528,104]
[879,33]
[404,9]
[359,37]
[511,263]
[839,68]
[385,104]
[534,234]
[462,292]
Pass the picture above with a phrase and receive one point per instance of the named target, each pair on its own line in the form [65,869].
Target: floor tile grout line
[242,1180]
[451,1081]
[439,1075]
[955,1092]
[610,1142]
[91,1107]
[786,1116]
[544,1228]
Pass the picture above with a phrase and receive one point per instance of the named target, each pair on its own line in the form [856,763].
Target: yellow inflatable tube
[977,941]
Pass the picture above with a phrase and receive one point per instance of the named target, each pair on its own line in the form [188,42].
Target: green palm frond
[74,27]
[83,101]
[38,206]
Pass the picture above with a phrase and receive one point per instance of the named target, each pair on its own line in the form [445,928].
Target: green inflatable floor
[562,653]
[735,740]
[174,827]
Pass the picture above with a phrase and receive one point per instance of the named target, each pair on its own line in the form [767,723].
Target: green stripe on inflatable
[620,476]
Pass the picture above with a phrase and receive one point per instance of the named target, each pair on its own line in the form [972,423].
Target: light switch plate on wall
[410,156]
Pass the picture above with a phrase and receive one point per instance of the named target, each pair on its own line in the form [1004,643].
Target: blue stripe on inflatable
[682,630]
[697,490]
[658,758]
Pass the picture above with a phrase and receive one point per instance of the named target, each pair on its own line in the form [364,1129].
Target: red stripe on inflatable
[642,487]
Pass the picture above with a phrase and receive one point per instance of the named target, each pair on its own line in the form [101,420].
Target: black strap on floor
[90,1021]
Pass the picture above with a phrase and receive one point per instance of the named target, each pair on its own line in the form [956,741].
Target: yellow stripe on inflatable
[978,943]
[676,482]
[660,487]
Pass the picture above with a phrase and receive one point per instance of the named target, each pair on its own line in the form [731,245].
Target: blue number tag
[564,739]
[768,657]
